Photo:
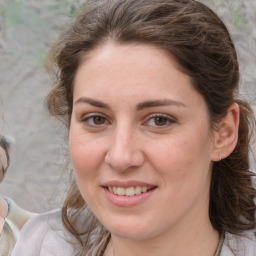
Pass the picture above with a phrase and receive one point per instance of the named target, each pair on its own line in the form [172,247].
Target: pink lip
[127,184]
[128,201]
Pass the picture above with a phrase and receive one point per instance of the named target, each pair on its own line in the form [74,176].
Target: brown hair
[201,45]
[4,144]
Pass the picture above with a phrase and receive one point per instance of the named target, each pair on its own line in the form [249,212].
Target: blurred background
[38,175]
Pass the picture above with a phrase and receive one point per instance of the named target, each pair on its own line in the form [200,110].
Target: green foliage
[239,19]
[40,56]
[66,7]
[28,26]
[235,8]
[13,13]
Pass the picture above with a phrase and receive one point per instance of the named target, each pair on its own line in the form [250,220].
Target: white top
[45,235]
[14,221]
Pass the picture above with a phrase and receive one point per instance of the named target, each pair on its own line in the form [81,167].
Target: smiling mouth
[130,191]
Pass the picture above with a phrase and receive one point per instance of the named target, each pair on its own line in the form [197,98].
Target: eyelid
[169,118]
[86,117]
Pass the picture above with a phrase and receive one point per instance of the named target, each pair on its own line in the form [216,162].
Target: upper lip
[127,184]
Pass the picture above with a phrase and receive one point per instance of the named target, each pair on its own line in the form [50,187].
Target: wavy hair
[201,45]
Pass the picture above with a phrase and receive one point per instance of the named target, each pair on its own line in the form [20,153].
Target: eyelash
[92,118]
[168,120]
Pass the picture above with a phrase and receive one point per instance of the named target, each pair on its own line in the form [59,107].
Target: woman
[158,138]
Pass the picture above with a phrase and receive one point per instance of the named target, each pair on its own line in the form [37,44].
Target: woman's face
[140,142]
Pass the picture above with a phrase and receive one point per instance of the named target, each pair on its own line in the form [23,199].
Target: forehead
[129,53]
[129,67]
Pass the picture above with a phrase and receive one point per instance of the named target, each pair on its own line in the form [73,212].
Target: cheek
[86,155]
[183,156]
[86,160]
[184,166]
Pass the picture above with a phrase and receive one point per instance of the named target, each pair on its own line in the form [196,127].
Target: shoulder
[240,245]
[17,215]
[14,221]
[45,235]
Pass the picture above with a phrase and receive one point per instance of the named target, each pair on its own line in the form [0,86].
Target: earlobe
[226,136]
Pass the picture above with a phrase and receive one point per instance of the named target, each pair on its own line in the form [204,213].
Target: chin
[131,235]
[134,231]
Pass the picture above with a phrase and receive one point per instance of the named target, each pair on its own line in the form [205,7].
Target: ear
[225,138]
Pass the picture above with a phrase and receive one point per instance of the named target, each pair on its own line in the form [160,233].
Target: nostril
[124,152]
[122,161]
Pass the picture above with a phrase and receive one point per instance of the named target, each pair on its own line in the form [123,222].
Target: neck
[196,239]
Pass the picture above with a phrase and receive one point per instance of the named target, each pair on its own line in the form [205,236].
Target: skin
[174,153]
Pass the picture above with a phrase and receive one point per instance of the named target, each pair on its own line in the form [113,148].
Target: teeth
[131,191]
[144,189]
[121,191]
[138,190]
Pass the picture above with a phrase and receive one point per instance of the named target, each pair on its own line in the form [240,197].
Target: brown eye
[160,120]
[98,120]
[95,121]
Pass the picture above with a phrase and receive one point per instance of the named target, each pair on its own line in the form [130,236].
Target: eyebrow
[140,106]
[159,103]
[95,103]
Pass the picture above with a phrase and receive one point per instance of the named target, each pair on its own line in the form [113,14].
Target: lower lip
[128,201]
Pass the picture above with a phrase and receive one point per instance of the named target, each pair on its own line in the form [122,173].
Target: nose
[124,151]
